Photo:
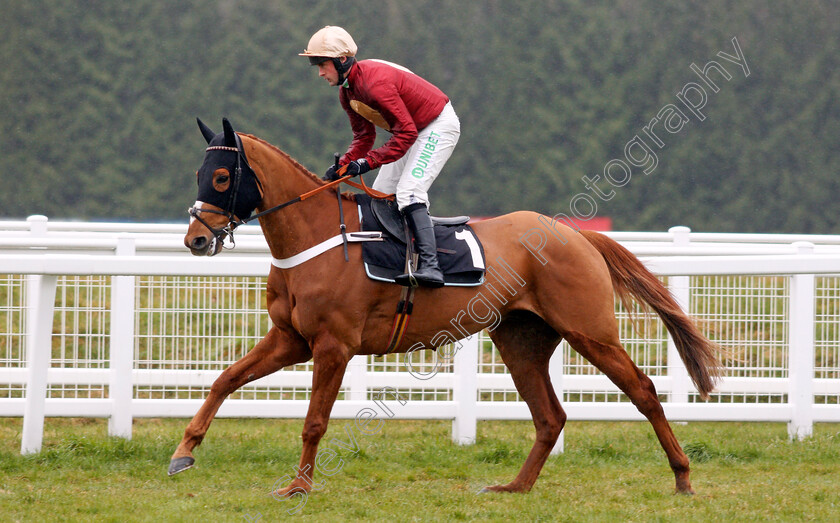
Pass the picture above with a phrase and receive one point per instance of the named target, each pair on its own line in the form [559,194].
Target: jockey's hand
[331,174]
[355,168]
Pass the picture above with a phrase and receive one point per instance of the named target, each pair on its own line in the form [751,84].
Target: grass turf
[411,471]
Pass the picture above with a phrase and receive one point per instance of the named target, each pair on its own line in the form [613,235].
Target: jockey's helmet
[332,43]
[329,42]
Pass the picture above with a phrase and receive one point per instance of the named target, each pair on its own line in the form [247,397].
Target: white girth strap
[324,246]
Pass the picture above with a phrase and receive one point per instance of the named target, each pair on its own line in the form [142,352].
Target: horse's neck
[298,226]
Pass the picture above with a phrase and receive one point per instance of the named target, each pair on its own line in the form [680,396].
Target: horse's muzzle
[201,245]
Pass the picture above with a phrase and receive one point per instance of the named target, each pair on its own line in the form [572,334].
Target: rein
[231,203]
[373,193]
[406,304]
[234,221]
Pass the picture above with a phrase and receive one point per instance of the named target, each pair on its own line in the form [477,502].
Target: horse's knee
[313,432]
[223,384]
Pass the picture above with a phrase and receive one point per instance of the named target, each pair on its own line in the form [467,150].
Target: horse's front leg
[278,349]
[330,359]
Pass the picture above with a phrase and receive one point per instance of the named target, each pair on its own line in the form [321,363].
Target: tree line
[564,105]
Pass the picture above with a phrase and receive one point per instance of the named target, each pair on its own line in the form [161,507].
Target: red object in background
[598,223]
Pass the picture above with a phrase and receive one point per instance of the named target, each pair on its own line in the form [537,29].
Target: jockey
[423,125]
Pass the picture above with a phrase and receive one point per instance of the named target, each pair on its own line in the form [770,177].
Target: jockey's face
[326,70]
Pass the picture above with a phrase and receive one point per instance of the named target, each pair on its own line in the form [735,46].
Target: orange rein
[373,193]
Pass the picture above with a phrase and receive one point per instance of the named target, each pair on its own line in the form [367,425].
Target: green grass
[412,472]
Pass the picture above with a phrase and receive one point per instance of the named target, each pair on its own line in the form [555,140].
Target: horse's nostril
[199,242]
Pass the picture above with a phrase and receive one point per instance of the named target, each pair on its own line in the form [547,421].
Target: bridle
[233,221]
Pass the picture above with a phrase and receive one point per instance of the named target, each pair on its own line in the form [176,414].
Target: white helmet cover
[332,42]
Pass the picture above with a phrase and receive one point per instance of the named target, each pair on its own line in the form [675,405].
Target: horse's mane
[296,164]
[285,155]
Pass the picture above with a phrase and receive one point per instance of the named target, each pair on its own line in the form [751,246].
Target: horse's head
[228,192]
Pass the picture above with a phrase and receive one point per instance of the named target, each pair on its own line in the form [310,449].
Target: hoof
[180,464]
[684,487]
[510,488]
[495,489]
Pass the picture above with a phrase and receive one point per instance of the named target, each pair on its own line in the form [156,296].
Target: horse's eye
[221,180]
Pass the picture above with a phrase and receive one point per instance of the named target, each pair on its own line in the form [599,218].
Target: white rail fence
[118,321]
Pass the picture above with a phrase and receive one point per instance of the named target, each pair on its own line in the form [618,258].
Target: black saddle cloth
[460,253]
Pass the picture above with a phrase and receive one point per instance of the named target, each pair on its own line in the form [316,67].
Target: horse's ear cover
[230,135]
[248,195]
[205,131]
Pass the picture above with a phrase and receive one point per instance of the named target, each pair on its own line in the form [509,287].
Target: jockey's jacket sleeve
[364,133]
[390,93]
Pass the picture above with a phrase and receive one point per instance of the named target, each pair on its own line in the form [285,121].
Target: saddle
[460,253]
[391,220]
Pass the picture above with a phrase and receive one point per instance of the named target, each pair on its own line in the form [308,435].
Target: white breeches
[411,176]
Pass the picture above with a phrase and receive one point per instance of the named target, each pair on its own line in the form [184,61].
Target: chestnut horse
[327,310]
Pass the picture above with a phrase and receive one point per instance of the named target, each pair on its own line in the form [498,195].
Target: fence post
[555,373]
[358,378]
[121,388]
[40,304]
[37,225]
[801,351]
[465,390]
[679,287]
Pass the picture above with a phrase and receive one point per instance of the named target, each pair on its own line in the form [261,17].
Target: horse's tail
[631,278]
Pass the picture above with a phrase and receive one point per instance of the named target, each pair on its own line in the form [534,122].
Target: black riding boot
[428,273]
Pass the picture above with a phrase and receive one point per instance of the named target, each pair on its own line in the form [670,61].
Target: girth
[393,222]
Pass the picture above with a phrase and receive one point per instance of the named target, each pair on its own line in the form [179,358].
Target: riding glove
[331,174]
[357,167]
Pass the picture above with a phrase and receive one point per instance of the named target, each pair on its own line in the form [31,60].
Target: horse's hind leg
[276,350]
[612,360]
[526,344]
